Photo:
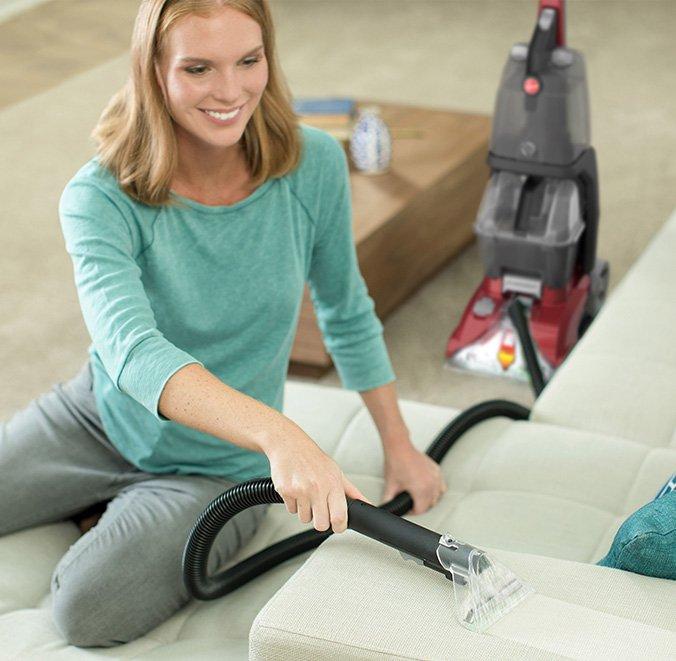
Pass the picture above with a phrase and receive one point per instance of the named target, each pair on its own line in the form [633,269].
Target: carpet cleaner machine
[537,225]
[538,220]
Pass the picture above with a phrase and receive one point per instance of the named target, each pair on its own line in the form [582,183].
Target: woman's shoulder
[323,163]
[319,147]
[95,173]
[96,180]
[93,197]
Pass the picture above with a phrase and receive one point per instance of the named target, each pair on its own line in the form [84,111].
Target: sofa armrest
[356,598]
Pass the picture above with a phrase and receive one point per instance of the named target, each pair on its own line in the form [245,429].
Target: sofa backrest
[621,377]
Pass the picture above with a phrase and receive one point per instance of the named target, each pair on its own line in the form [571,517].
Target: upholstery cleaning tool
[484,590]
[538,220]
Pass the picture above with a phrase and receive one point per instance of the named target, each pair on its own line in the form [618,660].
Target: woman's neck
[200,184]
[206,169]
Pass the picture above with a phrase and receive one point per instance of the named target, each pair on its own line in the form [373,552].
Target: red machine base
[554,317]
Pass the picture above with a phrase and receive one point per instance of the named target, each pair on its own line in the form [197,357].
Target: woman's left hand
[407,469]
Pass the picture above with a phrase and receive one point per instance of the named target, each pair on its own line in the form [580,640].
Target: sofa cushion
[519,486]
[357,599]
[544,489]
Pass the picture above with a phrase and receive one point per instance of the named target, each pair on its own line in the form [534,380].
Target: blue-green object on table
[324,106]
[646,541]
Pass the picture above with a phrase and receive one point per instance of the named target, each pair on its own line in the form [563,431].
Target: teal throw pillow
[646,541]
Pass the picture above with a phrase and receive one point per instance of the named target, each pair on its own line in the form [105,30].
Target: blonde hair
[135,135]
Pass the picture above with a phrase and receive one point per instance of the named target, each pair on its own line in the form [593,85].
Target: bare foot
[88,523]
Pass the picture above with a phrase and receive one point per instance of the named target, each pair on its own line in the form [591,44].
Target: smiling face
[228,70]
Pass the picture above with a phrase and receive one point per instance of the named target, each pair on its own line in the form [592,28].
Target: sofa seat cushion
[357,599]
[547,490]
[519,486]
[620,379]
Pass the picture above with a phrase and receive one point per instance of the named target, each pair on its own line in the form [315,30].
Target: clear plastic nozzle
[484,589]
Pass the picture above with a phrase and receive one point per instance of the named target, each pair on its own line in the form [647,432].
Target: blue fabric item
[220,286]
[668,487]
[646,541]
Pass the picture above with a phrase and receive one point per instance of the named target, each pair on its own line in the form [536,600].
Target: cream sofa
[546,496]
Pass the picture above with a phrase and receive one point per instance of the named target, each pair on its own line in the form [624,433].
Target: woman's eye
[249,62]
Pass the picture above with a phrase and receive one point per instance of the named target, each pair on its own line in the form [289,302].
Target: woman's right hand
[309,481]
[312,484]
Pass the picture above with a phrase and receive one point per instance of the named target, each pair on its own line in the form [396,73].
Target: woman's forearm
[383,406]
[194,397]
[308,480]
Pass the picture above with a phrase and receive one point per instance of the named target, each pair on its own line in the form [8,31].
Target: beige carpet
[441,54]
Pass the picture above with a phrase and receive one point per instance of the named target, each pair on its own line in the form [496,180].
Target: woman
[192,233]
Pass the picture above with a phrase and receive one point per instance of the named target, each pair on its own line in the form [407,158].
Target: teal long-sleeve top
[221,286]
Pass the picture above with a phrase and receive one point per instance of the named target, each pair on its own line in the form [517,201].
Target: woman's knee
[110,590]
[93,607]
[79,614]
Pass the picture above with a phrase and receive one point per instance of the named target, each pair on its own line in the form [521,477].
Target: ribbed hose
[262,491]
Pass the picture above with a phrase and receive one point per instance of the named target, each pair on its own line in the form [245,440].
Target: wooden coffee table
[409,222]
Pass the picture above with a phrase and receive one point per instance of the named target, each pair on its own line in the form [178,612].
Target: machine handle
[399,533]
[547,35]
[559,6]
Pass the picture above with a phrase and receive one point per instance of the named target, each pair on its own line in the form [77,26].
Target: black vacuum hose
[517,314]
[261,491]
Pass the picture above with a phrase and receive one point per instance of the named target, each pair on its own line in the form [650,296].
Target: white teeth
[222,116]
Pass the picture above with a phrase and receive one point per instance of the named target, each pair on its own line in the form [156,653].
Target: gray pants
[123,577]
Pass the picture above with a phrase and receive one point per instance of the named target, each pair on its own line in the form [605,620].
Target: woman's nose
[228,87]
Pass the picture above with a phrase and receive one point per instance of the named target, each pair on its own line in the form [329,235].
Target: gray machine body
[529,226]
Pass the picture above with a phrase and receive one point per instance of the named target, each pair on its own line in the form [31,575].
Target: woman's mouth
[223,119]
